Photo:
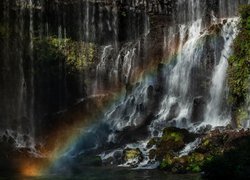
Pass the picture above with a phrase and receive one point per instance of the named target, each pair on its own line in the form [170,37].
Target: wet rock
[150,91]
[132,157]
[110,161]
[219,128]
[8,150]
[152,154]
[205,129]
[173,112]
[198,109]
[173,123]
[215,28]
[113,159]
[152,142]
[213,144]
[172,141]
[89,160]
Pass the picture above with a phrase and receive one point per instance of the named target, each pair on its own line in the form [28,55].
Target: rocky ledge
[222,152]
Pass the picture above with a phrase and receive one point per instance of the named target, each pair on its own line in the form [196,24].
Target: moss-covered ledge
[239,69]
[211,148]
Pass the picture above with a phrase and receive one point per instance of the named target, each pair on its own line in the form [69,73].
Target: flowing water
[167,63]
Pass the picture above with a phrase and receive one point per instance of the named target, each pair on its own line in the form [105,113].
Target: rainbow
[64,138]
[67,135]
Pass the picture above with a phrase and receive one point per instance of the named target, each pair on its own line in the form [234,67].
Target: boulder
[198,109]
[132,157]
[172,141]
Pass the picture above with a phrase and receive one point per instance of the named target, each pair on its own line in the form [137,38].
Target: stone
[198,109]
[132,157]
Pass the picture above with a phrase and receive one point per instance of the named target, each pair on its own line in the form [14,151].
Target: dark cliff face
[41,73]
[55,54]
[124,70]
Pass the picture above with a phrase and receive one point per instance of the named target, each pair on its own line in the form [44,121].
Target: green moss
[190,163]
[175,136]
[194,168]
[241,114]
[239,67]
[169,134]
[77,55]
[167,162]
[206,142]
[197,157]
[132,154]
[195,161]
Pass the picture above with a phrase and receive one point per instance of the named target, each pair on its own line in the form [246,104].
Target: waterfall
[179,80]
[214,112]
[166,63]
[182,89]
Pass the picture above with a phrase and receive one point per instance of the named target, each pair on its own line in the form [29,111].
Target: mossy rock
[172,141]
[178,134]
[206,142]
[167,162]
[152,154]
[189,163]
[132,156]
[212,146]
[172,136]
[152,142]
[196,157]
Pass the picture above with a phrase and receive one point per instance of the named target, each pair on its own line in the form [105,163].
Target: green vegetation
[76,55]
[166,162]
[194,161]
[131,154]
[189,163]
[169,135]
[172,140]
[239,68]
[209,156]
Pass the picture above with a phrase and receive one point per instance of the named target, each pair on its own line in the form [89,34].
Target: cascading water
[214,112]
[178,102]
[165,62]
